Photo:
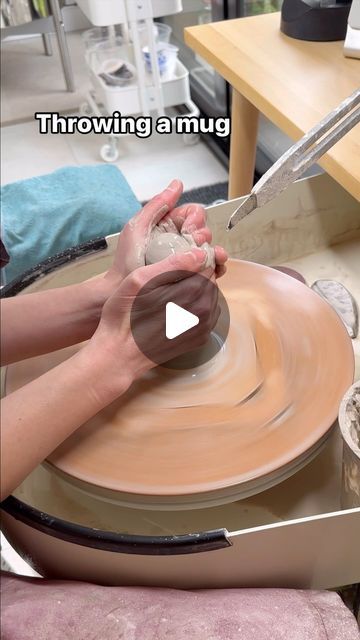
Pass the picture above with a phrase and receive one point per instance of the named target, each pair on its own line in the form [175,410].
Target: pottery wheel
[260,406]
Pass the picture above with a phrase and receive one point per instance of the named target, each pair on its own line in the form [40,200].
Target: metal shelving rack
[148,93]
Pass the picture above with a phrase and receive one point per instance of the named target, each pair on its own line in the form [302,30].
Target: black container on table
[315,20]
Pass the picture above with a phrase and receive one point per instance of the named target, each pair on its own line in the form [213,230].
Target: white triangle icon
[178,320]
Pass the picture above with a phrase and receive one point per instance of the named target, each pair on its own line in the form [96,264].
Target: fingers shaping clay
[166,243]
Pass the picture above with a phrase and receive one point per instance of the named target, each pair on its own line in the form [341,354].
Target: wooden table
[292,82]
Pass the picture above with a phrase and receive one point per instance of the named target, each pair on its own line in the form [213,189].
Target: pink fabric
[59,610]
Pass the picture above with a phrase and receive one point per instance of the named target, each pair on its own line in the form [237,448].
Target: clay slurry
[168,319]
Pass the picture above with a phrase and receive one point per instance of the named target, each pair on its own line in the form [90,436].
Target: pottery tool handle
[301,156]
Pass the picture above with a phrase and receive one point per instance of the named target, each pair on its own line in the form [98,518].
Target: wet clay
[269,395]
[164,243]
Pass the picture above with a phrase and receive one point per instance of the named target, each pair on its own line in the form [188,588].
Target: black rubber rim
[114,542]
[50,264]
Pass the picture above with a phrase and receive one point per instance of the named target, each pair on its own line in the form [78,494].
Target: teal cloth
[45,215]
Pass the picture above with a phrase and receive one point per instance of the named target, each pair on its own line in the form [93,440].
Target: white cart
[147,94]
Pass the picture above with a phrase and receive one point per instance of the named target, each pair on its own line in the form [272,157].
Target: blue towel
[46,215]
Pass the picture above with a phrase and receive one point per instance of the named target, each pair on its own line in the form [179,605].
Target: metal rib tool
[302,155]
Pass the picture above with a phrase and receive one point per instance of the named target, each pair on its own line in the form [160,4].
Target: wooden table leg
[244,126]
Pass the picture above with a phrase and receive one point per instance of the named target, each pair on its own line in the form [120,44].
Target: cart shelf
[147,93]
[127,99]
[109,12]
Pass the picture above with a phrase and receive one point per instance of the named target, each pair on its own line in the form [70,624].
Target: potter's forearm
[42,322]
[42,414]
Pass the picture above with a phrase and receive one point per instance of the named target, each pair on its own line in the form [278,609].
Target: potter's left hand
[135,237]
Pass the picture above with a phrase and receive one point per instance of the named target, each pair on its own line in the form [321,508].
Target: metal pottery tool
[302,155]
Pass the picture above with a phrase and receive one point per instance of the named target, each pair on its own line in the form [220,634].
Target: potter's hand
[134,238]
[114,340]
[190,219]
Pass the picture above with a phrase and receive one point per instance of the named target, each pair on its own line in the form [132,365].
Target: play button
[178,320]
[176,312]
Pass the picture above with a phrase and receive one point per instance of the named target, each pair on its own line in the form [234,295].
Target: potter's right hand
[113,337]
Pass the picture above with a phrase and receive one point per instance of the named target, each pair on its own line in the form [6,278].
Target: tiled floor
[148,164]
